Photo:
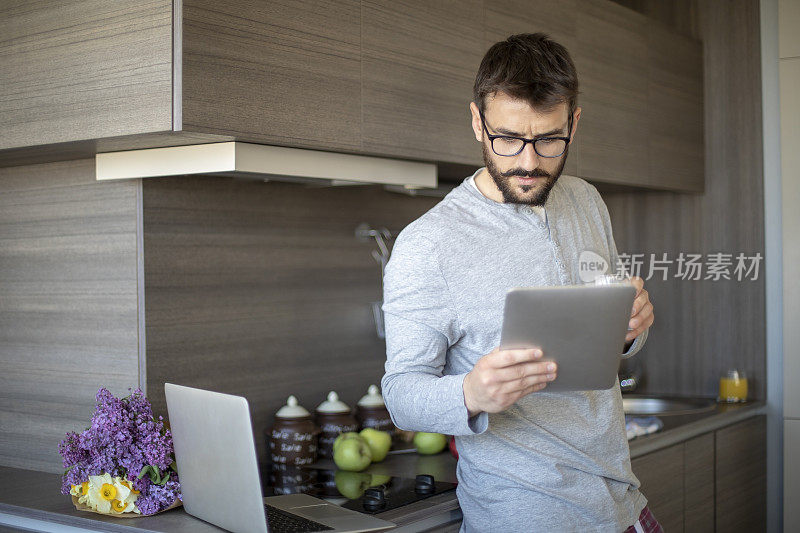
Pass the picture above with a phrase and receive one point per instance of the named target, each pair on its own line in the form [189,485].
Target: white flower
[100,493]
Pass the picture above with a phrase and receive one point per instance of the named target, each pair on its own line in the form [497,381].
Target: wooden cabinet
[741,474]
[675,105]
[285,73]
[372,77]
[713,482]
[419,61]
[611,58]
[83,70]
[661,474]
[698,483]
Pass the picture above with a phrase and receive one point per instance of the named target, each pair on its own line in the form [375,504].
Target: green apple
[351,484]
[378,479]
[429,443]
[352,454]
[379,442]
[343,436]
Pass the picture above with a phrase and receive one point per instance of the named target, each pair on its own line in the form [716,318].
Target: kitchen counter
[32,499]
[678,428]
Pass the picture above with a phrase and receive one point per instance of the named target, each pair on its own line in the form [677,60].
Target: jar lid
[333,405]
[292,410]
[373,398]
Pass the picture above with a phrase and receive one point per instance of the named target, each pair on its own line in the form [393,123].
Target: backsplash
[263,290]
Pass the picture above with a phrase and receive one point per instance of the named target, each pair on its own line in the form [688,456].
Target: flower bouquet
[123,465]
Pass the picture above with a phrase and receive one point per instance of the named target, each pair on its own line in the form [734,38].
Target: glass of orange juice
[733,387]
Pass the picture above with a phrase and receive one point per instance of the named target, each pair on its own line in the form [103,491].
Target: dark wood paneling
[704,327]
[285,73]
[557,19]
[661,474]
[68,304]
[85,69]
[698,484]
[741,470]
[419,61]
[262,289]
[614,104]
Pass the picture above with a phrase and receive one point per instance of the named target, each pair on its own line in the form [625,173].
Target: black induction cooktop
[359,491]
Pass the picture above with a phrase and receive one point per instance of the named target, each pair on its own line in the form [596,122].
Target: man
[529,459]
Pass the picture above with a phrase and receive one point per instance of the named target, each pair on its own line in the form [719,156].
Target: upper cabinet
[84,70]
[611,58]
[419,60]
[285,73]
[373,77]
[675,117]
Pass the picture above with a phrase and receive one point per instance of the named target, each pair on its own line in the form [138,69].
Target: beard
[536,194]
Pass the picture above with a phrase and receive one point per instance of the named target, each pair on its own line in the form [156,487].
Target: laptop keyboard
[279,521]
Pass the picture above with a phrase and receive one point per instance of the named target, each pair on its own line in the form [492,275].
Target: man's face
[525,178]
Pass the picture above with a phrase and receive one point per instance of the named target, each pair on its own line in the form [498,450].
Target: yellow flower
[79,490]
[129,485]
[118,506]
[108,492]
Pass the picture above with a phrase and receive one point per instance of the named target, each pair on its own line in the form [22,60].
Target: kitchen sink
[654,405]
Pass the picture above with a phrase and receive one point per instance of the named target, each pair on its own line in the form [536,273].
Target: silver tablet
[582,328]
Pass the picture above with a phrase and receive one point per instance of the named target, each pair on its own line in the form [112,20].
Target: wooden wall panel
[704,327]
[262,289]
[68,304]
[285,73]
[84,69]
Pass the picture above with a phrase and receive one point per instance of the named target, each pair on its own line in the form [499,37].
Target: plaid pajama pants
[646,523]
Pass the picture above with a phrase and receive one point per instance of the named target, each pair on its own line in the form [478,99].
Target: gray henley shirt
[553,461]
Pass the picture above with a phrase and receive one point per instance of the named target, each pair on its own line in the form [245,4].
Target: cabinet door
[557,19]
[419,62]
[611,57]
[661,474]
[285,73]
[84,69]
[675,102]
[741,474]
[698,456]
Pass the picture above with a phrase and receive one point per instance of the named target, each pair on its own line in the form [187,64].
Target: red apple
[453,449]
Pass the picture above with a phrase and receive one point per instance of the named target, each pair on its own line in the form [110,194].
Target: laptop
[220,482]
[582,328]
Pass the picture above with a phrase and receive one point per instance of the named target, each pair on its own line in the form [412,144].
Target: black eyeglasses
[508,146]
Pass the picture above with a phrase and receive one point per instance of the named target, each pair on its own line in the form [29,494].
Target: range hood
[263,162]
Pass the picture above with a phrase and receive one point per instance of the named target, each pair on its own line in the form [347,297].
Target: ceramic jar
[293,438]
[333,417]
[371,411]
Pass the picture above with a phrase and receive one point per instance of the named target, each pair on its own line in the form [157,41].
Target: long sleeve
[613,254]
[421,324]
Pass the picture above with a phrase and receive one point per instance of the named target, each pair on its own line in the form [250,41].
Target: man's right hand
[502,377]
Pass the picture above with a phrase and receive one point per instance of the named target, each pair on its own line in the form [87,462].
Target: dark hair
[530,67]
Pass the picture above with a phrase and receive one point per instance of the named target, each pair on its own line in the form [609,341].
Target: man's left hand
[642,312]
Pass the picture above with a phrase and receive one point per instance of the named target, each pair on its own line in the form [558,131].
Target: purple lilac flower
[123,439]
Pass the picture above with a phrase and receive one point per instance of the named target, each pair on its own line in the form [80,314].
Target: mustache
[518,172]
